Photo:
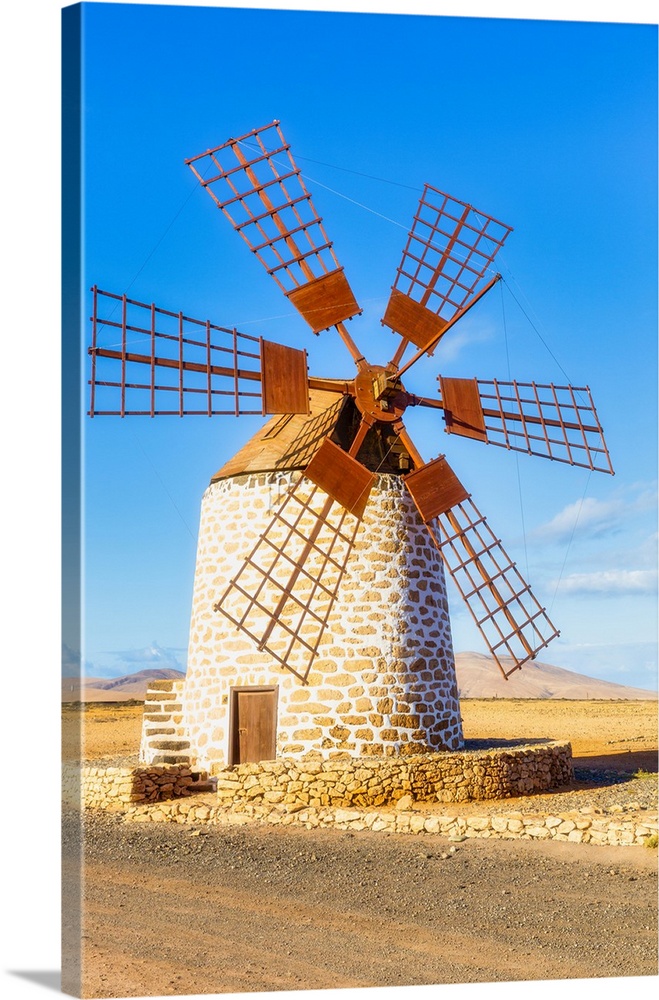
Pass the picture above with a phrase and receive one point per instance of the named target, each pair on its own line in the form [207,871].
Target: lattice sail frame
[551,421]
[187,360]
[283,593]
[502,604]
[503,607]
[449,249]
[195,368]
[256,183]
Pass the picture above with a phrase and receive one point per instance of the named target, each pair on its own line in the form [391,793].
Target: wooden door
[253,724]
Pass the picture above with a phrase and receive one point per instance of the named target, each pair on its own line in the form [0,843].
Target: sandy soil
[621,735]
[101,729]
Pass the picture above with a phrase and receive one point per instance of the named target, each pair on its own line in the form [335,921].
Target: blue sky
[548,126]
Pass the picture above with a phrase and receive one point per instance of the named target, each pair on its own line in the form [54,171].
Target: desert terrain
[608,733]
[174,910]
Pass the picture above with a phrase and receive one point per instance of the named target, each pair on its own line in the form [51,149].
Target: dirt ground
[621,735]
[170,909]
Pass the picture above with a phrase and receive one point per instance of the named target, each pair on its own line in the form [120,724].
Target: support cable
[519,478]
[574,528]
[162,483]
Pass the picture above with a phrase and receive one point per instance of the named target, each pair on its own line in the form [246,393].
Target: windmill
[340,436]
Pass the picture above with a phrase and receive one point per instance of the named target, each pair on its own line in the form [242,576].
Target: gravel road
[170,909]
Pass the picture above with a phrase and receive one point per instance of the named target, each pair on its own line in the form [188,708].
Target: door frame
[234,692]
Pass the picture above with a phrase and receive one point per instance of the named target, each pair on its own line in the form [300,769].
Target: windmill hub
[380,394]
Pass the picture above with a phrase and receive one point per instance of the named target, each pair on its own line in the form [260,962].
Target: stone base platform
[400,796]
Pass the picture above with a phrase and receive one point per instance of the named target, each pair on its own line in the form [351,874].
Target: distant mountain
[129,687]
[480,677]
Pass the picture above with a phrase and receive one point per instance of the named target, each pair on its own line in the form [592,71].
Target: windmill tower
[320,621]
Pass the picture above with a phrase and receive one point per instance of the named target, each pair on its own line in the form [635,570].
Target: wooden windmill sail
[279,597]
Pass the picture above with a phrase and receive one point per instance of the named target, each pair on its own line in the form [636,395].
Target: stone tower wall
[383,682]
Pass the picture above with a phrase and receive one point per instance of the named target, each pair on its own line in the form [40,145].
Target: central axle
[379,393]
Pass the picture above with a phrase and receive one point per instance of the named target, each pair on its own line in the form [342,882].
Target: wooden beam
[191,366]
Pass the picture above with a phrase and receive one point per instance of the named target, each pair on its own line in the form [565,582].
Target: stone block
[537,832]
[339,732]
[308,734]
[316,708]
[330,694]
[478,822]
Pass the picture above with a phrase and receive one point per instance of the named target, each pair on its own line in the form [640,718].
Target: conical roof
[288,441]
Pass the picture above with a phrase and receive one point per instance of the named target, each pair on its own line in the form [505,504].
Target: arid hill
[127,688]
[479,677]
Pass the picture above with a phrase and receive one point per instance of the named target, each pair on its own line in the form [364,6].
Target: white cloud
[591,516]
[632,663]
[462,338]
[636,647]
[116,663]
[594,517]
[610,582]
[643,555]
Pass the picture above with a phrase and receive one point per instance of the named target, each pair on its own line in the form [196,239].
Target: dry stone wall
[383,683]
[113,788]
[431,777]
[574,827]
[438,777]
